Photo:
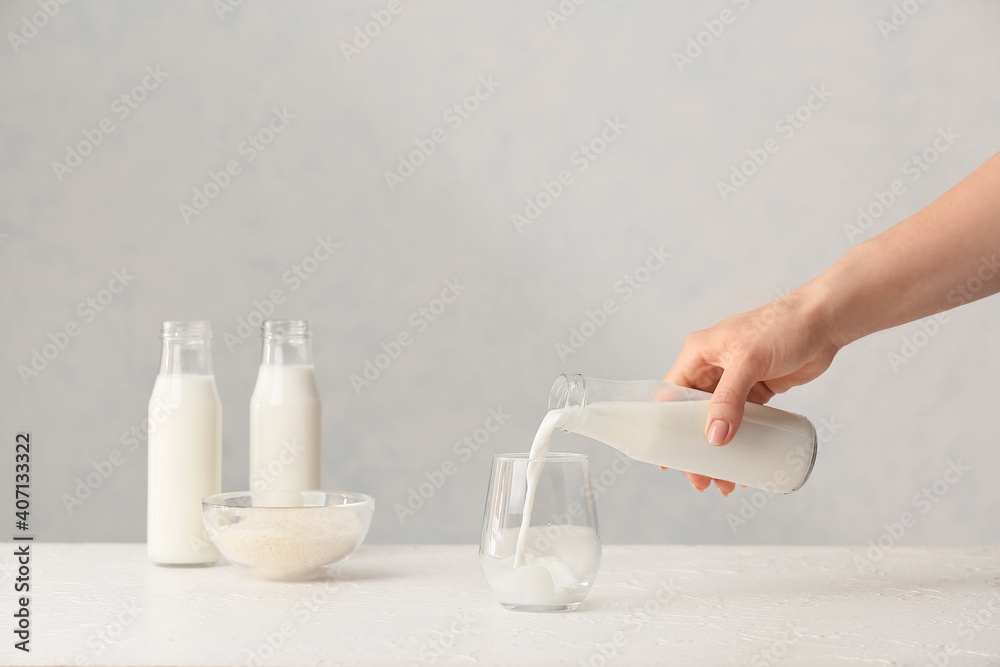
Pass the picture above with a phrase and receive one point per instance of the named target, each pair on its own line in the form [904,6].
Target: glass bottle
[285,414]
[185,447]
[664,424]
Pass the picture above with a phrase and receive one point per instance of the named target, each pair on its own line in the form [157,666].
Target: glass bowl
[287,535]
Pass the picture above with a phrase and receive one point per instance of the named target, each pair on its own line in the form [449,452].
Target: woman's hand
[914,269]
[752,357]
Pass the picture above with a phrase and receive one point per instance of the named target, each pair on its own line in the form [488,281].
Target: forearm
[943,256]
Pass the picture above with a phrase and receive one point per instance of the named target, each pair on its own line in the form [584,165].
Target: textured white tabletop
[104,604]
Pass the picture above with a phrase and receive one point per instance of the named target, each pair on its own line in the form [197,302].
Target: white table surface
[105,604]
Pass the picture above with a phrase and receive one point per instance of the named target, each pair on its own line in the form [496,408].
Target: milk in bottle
[285,414]
[185,447]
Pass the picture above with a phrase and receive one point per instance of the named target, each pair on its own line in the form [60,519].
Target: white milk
[776,457]
[559,577]
[539,450]
[185,436]
[285,430]
[562,576]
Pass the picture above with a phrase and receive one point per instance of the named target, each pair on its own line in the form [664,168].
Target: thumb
[725,410]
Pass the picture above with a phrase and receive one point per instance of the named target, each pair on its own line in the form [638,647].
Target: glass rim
[553,457]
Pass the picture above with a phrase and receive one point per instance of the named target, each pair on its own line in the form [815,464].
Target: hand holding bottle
[752,357]
[943,256]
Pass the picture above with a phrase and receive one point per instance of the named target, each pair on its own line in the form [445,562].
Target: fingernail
[717,432]
[662,468]
[724,494]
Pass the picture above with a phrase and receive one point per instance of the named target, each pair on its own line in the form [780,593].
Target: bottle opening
[568,391]
[175,330]
[285,329]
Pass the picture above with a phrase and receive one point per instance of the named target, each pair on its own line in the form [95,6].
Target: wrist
[821,308]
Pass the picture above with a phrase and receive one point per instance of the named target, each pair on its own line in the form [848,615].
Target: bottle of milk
[285,415]
[185,447]
[660,423]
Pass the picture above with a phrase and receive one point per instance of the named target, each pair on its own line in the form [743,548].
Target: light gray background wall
[894,430]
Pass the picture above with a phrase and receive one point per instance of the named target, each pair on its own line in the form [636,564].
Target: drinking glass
[561,544]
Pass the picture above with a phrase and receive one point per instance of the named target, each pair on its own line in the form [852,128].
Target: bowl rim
[354,498]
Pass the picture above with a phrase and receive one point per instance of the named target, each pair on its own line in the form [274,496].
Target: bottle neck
[568,391]
[286,343]
[187,348]
[573,390]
